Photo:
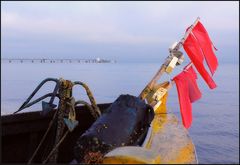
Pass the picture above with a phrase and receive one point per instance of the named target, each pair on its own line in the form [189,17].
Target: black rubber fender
[124,123]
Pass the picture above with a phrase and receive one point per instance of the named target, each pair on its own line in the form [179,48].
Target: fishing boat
[129,130]
[166,142]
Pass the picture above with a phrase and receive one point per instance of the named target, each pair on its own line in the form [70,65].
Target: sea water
[215,127]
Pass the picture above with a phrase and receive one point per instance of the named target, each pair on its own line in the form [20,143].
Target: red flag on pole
[194,92]
[188,92]
[192,48]
[184,100]
[206,45]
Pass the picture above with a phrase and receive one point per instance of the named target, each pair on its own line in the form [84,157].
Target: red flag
[188,92]
[184,100]
[194,92]
[206,45]
[194,52]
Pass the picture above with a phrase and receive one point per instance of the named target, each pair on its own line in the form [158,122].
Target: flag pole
[160,72]
[180,44]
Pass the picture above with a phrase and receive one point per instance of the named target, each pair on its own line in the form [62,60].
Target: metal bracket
[156,97]
[47,107]
[176,58]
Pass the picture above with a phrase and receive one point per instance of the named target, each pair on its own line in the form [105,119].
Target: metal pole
[160,72]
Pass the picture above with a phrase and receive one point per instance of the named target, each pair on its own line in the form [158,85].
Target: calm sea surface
[215,127]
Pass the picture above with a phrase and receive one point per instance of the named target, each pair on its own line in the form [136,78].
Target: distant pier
[47,60]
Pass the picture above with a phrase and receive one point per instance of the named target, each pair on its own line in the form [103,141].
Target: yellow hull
[167,142]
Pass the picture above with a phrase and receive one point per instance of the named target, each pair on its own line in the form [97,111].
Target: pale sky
[123,31]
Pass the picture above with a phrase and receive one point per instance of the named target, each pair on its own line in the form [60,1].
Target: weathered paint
[168,142]
[130,155]
[162,108]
